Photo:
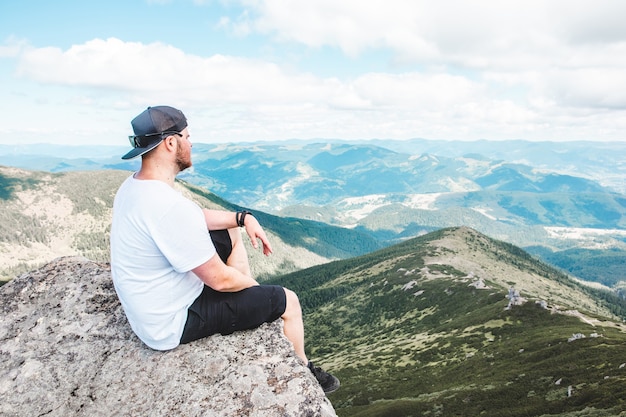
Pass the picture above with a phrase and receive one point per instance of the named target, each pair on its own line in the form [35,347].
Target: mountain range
[47,215]
[451,322]
[561,201]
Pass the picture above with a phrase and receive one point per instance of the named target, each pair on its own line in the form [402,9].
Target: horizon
[273,70]
[122,146]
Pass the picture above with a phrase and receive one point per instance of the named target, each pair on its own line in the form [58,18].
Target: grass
[445,348]
[512,369]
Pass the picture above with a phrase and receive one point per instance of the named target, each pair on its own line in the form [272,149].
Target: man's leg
[292,317]
[293,325]
[234,253]
[238,258]
[294,331]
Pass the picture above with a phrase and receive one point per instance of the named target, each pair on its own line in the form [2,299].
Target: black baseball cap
[152,126]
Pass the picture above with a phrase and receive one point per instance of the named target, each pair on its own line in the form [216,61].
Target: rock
[515,299]
[67,349]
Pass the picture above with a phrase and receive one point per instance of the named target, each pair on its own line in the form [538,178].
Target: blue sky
[77,72]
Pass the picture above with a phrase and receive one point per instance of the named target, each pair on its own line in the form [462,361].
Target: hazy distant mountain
[278,176]
[599,161]
[455,323]
[47,215]
[549,197]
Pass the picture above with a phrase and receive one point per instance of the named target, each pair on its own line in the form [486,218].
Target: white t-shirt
[157,238]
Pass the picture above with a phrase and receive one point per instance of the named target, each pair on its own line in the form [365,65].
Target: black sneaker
[328,382]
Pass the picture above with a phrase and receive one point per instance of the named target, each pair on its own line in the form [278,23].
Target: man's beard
[182,161]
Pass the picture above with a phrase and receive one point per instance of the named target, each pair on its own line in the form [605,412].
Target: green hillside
[605,266]
[47,215]
[423,328]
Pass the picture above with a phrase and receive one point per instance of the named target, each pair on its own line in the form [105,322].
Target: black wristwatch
[240,217]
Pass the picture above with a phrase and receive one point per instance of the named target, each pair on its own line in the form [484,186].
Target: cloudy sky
[77,72]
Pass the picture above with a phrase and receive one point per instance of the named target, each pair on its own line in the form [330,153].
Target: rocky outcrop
[67,349]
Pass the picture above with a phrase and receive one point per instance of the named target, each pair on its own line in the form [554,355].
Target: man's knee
[293,303]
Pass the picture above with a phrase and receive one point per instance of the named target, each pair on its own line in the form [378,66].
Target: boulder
[66,348]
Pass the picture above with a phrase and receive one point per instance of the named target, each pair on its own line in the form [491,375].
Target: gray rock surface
[66,349]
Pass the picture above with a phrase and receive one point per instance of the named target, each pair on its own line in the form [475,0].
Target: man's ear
[170,143]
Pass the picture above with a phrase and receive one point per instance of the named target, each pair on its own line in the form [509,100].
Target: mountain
[325,172]
[448,323]
[456,323]
[533,187]
[599,161]
[47,215]
[258,171]
[547,197]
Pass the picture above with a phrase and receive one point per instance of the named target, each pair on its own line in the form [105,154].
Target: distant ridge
[564,201]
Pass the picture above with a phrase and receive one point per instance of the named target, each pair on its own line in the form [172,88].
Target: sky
[77,71]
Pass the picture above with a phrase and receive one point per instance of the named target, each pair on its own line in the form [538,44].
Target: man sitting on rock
[181,272]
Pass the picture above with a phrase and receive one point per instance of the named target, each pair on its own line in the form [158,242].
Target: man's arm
[221,277]
[220,219]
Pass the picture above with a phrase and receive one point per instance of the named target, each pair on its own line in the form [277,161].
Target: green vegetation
[9,185]
[19,229]
[43,214]
[90,192]
[402,327]
[409,338]
[15,226]
[69,213]
[605,266]
[93,245]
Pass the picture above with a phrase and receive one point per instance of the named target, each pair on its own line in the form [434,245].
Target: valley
[414,318]
[564,202]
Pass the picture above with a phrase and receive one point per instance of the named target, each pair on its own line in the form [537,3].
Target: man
[181,272]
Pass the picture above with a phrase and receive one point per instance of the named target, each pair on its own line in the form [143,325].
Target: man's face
[183,151]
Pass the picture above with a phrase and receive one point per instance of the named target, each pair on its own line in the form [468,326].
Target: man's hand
[221,219]
[255,231]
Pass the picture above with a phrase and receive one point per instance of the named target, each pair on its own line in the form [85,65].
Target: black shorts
[226,312]
[223,244]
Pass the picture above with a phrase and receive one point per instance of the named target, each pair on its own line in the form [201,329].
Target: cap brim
[135,152]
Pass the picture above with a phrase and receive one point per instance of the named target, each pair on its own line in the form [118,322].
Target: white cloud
[135,67]
[461,70]
[479,33]
[593,88]
[12,47]
[418,90]
[255,99]
[109,63]
[569,53]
